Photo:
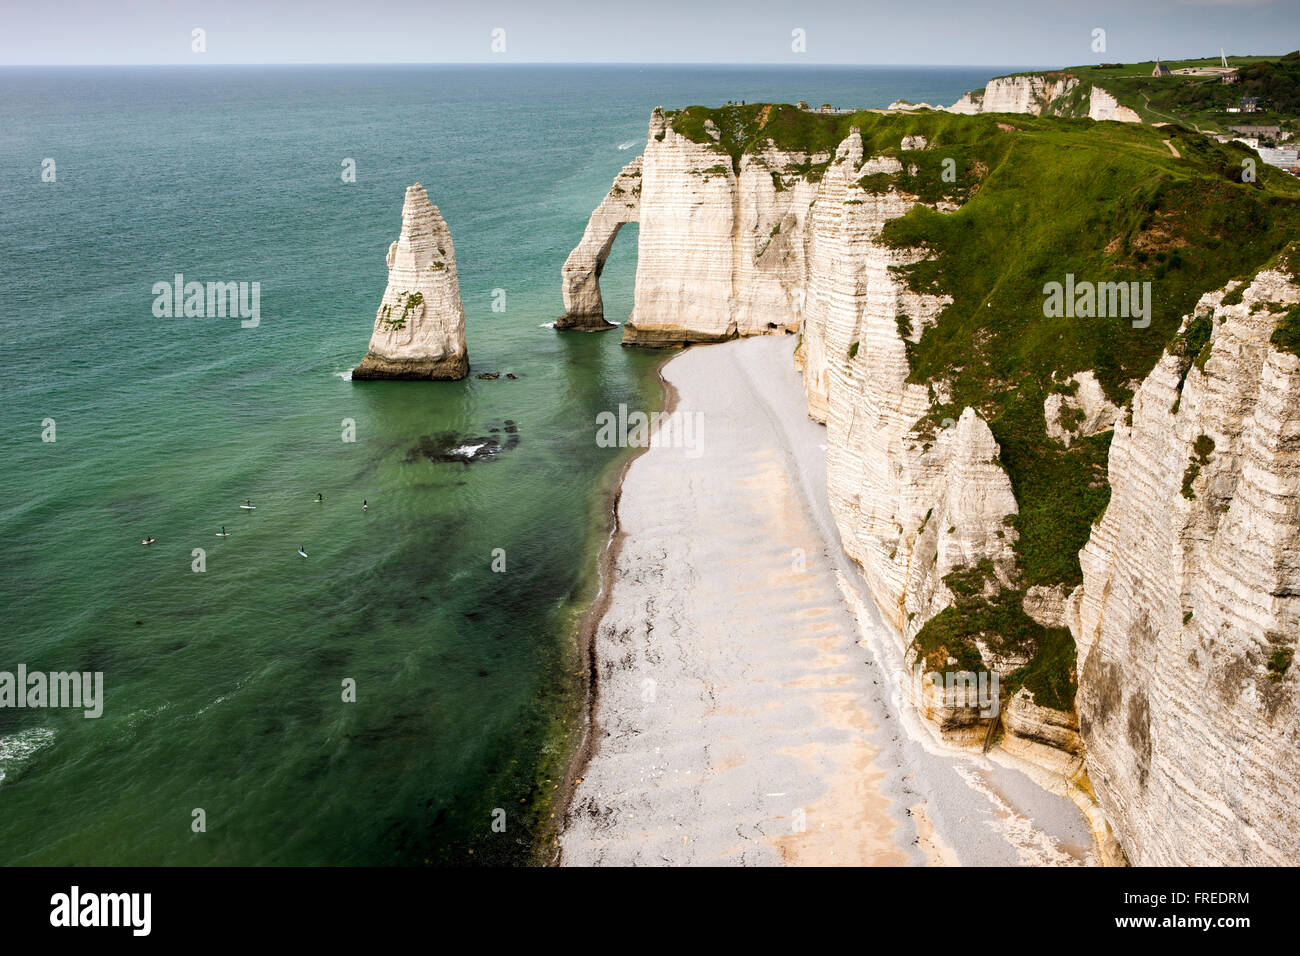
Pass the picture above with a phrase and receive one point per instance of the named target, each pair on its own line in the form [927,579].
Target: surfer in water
[223,531]
[303,552]
[364,505]
[319,496]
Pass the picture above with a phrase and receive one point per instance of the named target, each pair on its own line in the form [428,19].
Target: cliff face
[1017,94]
[912,505]
[1103,106]
[720,251]
[1189,611]
[754,247]
[967,431]
[583,307]
[1044,95]
[759,245]
[419,330]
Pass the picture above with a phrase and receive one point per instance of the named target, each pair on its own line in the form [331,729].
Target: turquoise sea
[223,689]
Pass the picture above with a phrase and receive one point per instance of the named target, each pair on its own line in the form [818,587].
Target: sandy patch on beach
[730,725]
[741,715]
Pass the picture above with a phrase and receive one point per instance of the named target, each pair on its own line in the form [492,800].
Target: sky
[952,32]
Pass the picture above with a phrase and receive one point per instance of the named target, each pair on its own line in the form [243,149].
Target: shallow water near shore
[223,688]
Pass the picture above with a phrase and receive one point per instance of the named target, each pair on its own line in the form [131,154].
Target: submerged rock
[446,447]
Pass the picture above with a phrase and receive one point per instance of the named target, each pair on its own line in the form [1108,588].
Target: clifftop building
[1264,132]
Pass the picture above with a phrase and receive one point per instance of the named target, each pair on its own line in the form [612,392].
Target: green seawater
[223,689]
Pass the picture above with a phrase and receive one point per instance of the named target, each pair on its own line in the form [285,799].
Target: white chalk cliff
[583,307]
[758,247]
[1055,94]
[1081,411]
[911,504]
[1103,106]
[1189,611]
[720,251]
[419,330]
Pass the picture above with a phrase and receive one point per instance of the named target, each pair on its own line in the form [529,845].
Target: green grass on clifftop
[1105,202]
[1042,198]
[745,129]
[1198,101]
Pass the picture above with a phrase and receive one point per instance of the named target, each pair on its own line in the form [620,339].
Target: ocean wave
[137,717]
[205,709]
[346,376]
[17,748]
[628,145]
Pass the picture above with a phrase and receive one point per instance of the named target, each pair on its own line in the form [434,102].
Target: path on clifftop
[1173,119]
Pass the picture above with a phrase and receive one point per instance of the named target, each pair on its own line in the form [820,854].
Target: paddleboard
[249,507]
[220,535]
[150,541]
[302,553]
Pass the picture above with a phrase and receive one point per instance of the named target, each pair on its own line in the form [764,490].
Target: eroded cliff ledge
[419,330]
[912,254]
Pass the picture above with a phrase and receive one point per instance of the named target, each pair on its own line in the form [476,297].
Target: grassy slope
[1043,197]
[1202,101]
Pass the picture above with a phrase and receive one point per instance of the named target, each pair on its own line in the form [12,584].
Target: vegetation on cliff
[1042,199]
[1104,203]
[1198,101]
[1287,334]
[996,617]
[1101,203]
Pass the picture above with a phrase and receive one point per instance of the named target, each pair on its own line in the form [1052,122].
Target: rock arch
[583,307]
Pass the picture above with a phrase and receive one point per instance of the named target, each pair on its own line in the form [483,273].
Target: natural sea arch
[583,306]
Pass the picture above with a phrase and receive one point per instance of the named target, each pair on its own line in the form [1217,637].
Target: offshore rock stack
[420,326]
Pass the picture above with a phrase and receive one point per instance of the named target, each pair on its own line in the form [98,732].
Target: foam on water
[138,717]
[204,710]
[15,749]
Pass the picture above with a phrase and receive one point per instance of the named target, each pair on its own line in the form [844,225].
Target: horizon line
[200,62]
[627,63]
[516,63]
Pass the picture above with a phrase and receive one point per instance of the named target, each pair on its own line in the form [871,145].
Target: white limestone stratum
[419,328]
[1044,95]
[1190,606]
